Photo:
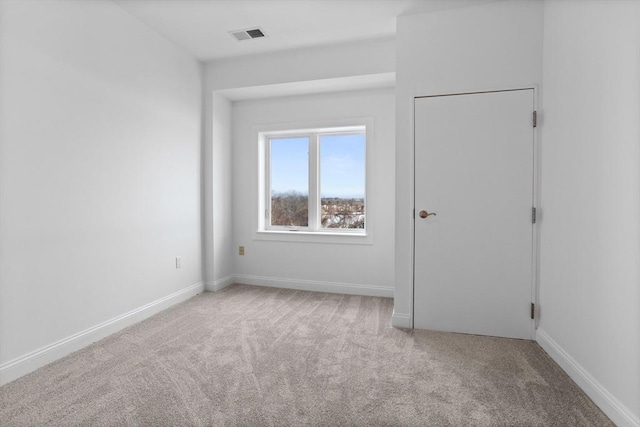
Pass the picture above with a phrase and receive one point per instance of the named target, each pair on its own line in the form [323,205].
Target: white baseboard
[315,286]
[29,362]
[219,284]
[607,402]
[400,320]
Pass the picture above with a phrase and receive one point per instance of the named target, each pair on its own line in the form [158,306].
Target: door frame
[535,262]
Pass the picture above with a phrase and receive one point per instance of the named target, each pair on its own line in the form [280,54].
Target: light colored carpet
[253,356]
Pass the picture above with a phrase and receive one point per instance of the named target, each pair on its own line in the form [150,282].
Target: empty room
[320,212]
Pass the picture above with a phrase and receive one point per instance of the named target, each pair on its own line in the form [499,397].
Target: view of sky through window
[290,165]
[342,163]
[338,187]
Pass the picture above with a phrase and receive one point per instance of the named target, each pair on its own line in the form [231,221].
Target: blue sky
[342,164]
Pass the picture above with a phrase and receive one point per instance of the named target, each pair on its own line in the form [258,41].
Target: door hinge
[414,213]
[533,215]
[535,118]
[533,311]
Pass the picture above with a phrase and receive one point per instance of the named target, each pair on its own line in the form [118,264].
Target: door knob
[424,214]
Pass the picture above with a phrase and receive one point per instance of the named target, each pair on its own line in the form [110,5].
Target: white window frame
[314,232]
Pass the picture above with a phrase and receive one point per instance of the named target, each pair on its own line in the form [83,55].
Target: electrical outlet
[241,250]
[178,262]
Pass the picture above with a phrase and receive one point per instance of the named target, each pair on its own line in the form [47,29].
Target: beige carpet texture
[257,356]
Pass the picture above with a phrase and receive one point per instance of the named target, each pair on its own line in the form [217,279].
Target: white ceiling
[202,26]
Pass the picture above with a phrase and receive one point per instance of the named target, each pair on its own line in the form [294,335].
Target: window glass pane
[289,179]
[342,180]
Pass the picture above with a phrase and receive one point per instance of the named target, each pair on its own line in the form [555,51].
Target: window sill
[314,237]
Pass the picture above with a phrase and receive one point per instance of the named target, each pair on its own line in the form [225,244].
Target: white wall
[100,131]
[324,69]
[590,236]
[361,268]
[217,223]
[493,46]
[302,65]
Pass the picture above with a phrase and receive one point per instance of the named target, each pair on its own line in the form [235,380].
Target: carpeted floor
[254,356]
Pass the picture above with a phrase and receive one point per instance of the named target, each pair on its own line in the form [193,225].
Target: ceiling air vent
[251,33]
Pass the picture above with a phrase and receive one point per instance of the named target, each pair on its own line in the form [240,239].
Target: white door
[474,171]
